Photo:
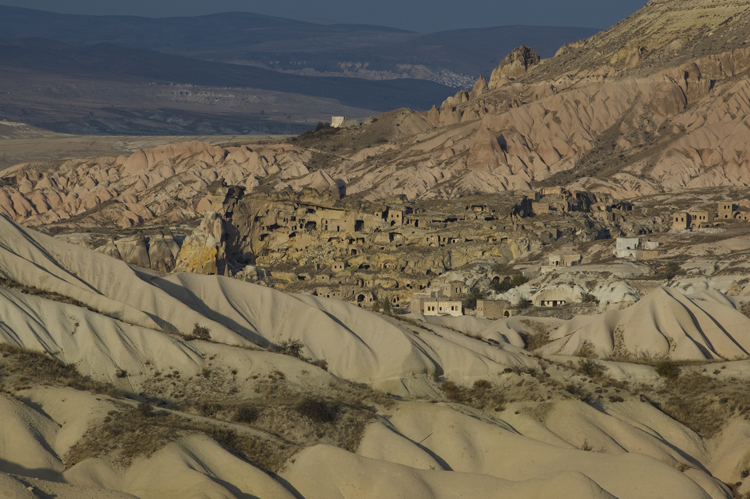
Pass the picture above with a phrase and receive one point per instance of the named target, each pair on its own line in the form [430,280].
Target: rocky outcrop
[110,249]
[133,250]
[162,252]
[204,250]
[515,64]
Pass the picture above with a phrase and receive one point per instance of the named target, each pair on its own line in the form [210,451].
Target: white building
[633,247]
[434,307]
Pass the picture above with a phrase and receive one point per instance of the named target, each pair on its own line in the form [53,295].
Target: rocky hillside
[122,382]
[657,103]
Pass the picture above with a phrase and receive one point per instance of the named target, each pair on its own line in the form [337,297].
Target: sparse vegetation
[667,369]
[523,304]
[387,307]
[589,298]
[586,350]
[317,410]
[132,432]
[23,368]
[591,368]
[321,363]
[246,413]
[201,332]
[508,284]
[535,341]
[470,301]
[671,270]
[49,295]
[481,395]
[290,347]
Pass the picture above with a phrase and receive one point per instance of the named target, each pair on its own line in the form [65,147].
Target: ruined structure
[559,200]
[365,252]
[558,260]
[494,309]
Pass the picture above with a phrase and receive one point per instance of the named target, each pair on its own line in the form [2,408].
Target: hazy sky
[417,15]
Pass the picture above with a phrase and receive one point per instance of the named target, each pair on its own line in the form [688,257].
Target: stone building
[418,299]
[435,307]
[556,297]
[559,260]
[726,209]
[637,248]
[684,220]
[493,309]
[454,288]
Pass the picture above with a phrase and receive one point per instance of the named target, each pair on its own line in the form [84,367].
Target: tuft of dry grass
[481,395]
[30,290]
[706,404]
[21,368]
[134,432]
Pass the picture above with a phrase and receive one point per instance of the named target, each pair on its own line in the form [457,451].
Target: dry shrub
[321,363]
[246,413]
[50,295]
[535,341]
[667,369]
[452,391]
[586,350]
[317,410]
[591,368]
[130,433]
[292,348]
[704,404]
[577,391]
[22,368]
[201,332]
[482,394]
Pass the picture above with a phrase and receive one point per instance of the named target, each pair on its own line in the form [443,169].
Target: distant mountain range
[285,44]
[284,75]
